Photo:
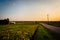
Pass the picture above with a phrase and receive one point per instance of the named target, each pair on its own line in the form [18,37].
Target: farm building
[12,22]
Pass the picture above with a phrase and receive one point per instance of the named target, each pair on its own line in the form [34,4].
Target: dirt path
[52,28]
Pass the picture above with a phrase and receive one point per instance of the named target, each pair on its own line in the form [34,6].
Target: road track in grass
[52,28]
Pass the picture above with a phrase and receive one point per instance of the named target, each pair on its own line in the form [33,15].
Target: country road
[52,28]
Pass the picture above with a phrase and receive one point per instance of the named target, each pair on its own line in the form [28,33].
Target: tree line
[4,21]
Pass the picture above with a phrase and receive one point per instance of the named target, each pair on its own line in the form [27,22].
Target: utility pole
[47,17]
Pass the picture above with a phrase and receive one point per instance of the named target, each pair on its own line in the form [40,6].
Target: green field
[16,31]
[24,32]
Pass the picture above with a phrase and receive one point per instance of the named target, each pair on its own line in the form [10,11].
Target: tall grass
[16,32]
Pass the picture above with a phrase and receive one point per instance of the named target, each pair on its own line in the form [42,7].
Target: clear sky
[30,10]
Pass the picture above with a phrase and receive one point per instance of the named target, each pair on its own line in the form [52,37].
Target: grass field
[24,32]
[16,32]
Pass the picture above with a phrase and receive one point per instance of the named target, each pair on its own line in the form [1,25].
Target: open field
[16,32]
[34,31]
[53,23]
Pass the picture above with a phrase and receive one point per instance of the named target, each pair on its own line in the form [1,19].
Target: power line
[47,17]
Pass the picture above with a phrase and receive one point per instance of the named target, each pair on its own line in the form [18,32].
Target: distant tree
[7,20]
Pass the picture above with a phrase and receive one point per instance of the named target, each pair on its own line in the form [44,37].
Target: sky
[30,10]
